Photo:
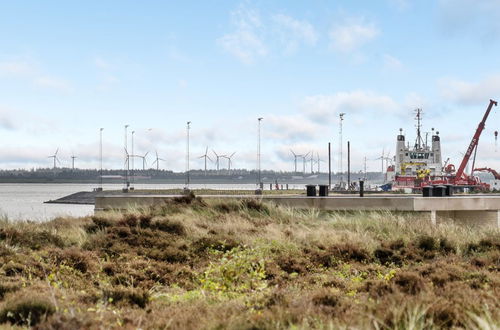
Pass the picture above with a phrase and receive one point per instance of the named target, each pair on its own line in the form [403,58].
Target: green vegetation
[242,264]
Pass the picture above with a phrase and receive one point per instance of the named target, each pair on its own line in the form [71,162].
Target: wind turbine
[295,156]
[217,162]
[318,161]
[143,160]
[304,162]
[54,156]
[312,161]
[229,161]
[73,162]
[157,161]
[206,157]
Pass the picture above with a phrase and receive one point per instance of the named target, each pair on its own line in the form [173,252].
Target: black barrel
[449,190]
[311,190]
[323,190]
[427,191]
[438,191]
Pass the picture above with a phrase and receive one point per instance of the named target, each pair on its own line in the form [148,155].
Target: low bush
[27,311]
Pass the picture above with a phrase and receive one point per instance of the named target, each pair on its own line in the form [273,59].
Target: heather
[243,264]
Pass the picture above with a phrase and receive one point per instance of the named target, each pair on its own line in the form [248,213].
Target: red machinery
[460,178]
[487,169]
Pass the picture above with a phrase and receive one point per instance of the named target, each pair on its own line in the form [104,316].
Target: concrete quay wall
[468,210]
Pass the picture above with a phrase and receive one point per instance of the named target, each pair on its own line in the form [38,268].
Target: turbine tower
[304,160]
[157,161]
[229,160]
[143,160]
[295,156]
[206,157]
[73,162]
[217,159]
[54,156]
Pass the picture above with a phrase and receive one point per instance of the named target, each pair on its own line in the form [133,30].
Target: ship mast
[419,141]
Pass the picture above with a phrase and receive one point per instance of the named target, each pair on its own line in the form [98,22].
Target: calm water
[24,201]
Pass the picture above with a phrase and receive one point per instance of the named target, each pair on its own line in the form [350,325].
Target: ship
[420,165]
[415,163]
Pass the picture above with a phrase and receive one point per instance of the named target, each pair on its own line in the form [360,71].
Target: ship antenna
[419,141]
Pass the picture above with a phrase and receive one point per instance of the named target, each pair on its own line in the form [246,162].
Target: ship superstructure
[417,162]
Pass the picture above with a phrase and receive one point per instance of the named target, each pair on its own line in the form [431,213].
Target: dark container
[438,191]
[449,190]
[427,191]
[311,190]
[323,190]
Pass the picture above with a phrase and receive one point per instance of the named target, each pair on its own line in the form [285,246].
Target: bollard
[270,186]
[311,190]
[449,190]
[287,186]
[323,190]
[438,191]
[361,188]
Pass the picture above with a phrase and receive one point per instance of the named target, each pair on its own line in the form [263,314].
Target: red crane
[461,175]
[487,169]
[461,178]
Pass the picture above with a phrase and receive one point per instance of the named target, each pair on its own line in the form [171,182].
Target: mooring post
[361,188]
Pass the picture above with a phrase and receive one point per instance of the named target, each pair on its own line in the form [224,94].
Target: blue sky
[68,68]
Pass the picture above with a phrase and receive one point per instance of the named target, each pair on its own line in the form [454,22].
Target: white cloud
[6,120]
[245,42]
[470,93]
[351,35]
[325,108]
[479,18]
[401,4]
[27,70]
[294,32]
[291,128]
[52,83]
[100,63]
[392,63]
[18,68]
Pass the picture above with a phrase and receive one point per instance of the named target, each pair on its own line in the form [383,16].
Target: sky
[69,68]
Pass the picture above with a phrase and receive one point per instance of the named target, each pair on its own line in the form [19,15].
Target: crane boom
[473,144]
[487,169]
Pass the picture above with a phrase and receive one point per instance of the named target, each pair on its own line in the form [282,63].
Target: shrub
[169,226]
[409,282]
[33,239]
[98,223]
[6,288]
[128,295]
[27,311]
[253,204]
[74,258]
[427,243]
[325,298]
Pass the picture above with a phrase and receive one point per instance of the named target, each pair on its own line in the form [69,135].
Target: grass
[242,264]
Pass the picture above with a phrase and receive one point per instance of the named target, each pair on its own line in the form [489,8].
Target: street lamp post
[132,156]
[126,165]
[341,119]
[100,157]
[259,120]
[188,127]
